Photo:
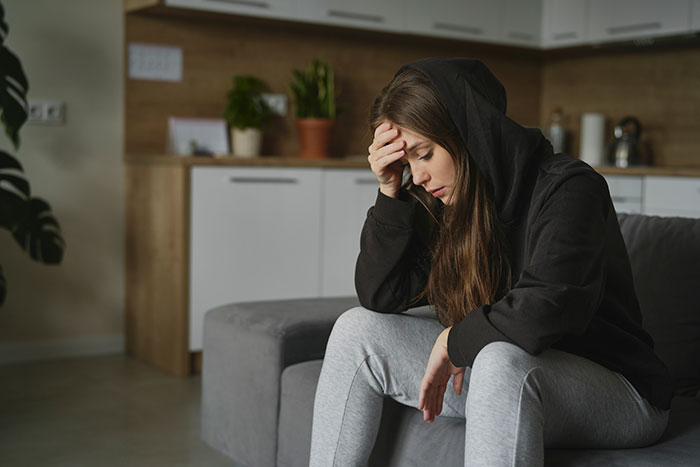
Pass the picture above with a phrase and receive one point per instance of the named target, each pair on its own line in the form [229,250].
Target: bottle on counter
[555,132]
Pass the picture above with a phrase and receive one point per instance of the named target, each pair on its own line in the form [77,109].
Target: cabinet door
[611,20]
[563,23]
[254,235]
[283,9]
[626,193]
[695,16]
[347,196]
[385,15]
[457,19]
[672,196]
[521,22]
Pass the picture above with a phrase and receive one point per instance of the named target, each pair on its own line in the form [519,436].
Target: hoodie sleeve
[561,285]
[393,264]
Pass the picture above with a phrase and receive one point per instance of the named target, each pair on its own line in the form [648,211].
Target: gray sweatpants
[514,404]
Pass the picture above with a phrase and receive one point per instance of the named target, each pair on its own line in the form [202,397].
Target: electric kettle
[624,148]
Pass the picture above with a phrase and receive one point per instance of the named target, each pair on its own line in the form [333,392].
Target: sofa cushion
[665,257]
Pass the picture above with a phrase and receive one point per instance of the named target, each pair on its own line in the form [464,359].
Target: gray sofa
[262,360]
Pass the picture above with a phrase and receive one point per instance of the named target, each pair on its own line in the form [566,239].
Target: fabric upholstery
[665,257]
[246,347]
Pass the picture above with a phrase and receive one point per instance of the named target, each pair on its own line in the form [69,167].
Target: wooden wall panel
[661,87]
[157,277]
[216,48]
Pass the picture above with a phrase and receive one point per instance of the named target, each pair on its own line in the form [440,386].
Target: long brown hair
[470,265]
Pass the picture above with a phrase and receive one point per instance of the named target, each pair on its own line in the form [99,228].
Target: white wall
[71,50]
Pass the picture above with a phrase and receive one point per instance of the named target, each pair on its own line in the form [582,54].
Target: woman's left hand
[437,374]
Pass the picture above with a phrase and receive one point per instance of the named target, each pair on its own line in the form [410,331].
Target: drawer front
[674,193]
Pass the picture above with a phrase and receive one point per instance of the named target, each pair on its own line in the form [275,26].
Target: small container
[556,133]
[592,135]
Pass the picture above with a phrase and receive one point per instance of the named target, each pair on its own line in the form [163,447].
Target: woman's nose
[419,176]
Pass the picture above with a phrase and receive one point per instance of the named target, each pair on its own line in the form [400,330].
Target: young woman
[519,252]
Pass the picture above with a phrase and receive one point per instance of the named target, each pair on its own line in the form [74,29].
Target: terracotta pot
[315,137]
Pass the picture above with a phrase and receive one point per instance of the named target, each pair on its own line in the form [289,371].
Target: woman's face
[431,165]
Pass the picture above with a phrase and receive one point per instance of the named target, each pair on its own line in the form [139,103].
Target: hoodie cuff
[397,212]
[469,336]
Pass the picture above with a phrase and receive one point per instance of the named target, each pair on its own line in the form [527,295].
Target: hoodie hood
[505,152]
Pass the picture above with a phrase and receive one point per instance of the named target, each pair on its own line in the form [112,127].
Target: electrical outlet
[277,102]
[46,112]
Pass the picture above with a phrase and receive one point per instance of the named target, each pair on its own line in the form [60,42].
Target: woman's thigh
[393,348]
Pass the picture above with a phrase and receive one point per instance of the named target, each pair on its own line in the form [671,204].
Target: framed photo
[198,136]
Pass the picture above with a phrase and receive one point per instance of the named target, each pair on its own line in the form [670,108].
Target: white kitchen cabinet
[612,20]
[563,23]
[279,9]
[672,196]
[347,196]
[254,235]
[456,19]
[626,193]
[695,16]
[385,15]
[521,22]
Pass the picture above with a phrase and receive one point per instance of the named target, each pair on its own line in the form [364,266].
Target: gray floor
[100,411]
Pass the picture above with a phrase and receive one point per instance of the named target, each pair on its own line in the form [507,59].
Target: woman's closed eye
[426,157]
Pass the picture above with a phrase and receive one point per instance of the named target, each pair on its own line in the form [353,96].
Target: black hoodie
[572,281]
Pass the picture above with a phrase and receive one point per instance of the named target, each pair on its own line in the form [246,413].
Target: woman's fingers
[458,382]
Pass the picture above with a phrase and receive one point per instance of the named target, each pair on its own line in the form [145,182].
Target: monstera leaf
[39,234]
[14,191]
[13,88]
[3,287]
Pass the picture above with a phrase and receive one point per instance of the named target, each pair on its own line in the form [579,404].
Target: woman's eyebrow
[413,148]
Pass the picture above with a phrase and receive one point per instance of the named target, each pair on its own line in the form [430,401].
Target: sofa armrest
[246,347]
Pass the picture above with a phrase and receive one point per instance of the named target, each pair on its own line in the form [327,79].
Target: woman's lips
[439,192]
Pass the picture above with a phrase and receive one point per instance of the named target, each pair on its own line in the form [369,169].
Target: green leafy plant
[313,91]
[246,107]
[29,219]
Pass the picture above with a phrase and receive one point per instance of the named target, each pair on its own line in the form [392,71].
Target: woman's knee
[503,359]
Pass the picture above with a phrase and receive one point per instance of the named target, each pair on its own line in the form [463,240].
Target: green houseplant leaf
[313,91]
[13,88]
[39,234]
[14,191]
[29,219]
[245,106]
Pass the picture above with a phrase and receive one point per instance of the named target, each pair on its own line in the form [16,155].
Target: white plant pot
[246,142]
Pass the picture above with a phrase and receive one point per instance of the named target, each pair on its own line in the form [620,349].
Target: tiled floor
[100,411]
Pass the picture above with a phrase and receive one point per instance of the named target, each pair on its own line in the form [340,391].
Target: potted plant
[313,92]
[246,114]
[28,218]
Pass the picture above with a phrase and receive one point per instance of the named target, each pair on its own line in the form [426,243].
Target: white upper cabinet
[261,8]
[695,16]
[521,23]
[385,15]
[612,20]
[563,23]
[528,23]
[455,19]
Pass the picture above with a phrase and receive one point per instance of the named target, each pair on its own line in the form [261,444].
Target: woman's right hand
[384,154]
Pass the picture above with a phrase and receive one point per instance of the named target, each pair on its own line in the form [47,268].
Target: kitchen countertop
[359,162]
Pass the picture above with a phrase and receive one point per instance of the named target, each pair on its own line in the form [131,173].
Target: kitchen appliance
[624,148]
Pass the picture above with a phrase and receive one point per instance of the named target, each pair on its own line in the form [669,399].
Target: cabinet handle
[562,36]
[357,16]
[524,36]
[263,180]
[250,3]
[458,28]
[366,181]
[634,27]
